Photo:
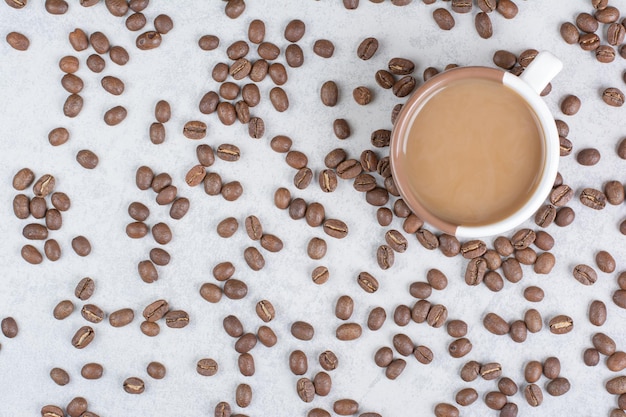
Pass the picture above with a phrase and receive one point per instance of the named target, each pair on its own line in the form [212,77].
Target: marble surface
[179,72]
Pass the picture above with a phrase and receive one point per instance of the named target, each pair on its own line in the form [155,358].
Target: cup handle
[541,70]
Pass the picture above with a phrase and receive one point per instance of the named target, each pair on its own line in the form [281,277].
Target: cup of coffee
[474,151]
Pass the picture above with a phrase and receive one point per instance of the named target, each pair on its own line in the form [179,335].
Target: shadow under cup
[474,151]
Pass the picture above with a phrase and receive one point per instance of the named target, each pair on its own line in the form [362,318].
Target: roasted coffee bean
[302,179]
[328,360]
[135,22]
[504,59]
[400,66]
[155,310]
[220,72]
[423,354]
[507,386]
[87,159]
[211,292]
[320,275]
[615,34]
[294,55]
[613,97]
[157,133]
[37,207]
[58,136]
[92,313]
[603,344]
[35,231]
[616,362]
[233,326]
[561,195]
[385,257]
[92,371]
[597,313]
[318,412]
[421,290]
[302,330]
[605,54]
[213,183]
[376,318]
[60,376]
[207,367]
[383,357]
[533,321]
[297,209]
[324,48]
[148,40]
[156,370]
[443,19]
[338,155]
[448,244]
[268,51]
[570,105]
[385,217]
[533,294]
[144,177]
[558,386]
[470,371]
[9,328]
[609,14]
[176,319]
[348,331]
[364,183]
[588,157]
[254,229]
[473,249]
[227,227]
[78,39]
[404,86]
[589,42]
[322,383]
[115,115]
[533,395]
[483,25]
[133,385]
[490,371]
[17,4]
[266,336]
[362,95]
[614,191]
[147,271]
[121,317]
[456,328]
[561,324]
[586,22]
[76,407]
[564,216]
[446,410]
[163,24]
[73,105]
[493,280]
[260,69]
[282,144]
[526,256]
[83,337]
[493,259]
[475,272]
[495,400]
[461,6]
[427,239]
[21,206]
[254,258]
[385,79]
[231,191]
[585,274]
[298,362]
[51,411]
[552,367]
[351,4]
[460,347]
[503,246]
[402,315]
[305,389]
[341,128]
[605,262]
[72,84]
[315,214]
[403,344]
[265,311]
[150,329]
[437,315]
[345,407]
[496,324]
[256,31]
[329,93]
[396,241]
[118,55]
[533,371]
[569,33]
[52,250]
[466,396]
[335,228]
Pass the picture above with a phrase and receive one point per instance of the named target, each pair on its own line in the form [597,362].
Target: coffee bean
[58,136]
[21,206]
[83,337]
[92,313]
[460,347]
[526,256]
[490,371]
[213,183]
[597,313]
[533,371]
[446,410]
[150,329]
[443,19]
[37,207]
[605,54]
[92,371]
[496,324]
[437,315]
[570,105]
[176,319]
[73,105]
[475,272]
[122,317]
[9,327]
[533,395]
[365,183]
[329,94]
[533,294]
[561,324]
[297,209]
[63,309]
[588,157]
[564,216]
[558,386]
[72,84]
[211,292]
[348,331]
[133,385]
[613,97]
[320,275]
[507,386]
[147,271]
[305,389]
[148,40]
[18,41]
[504,59]
[207,367]
[35,231]
[324,48]
[335,228]
[265,311]
[533,321]
[246,343]
[362,95]
[135,22]
[163,24]
[52,250]
[156,370]
[367,48]
[470,371]
[495,400]
[87,159]
[351,4]
[385,257]
[254,258]
[466,396]
[615,34]
[609,14]
[400,66]
[118,55]
[294,55]
[603,344]
[17,4]
[402,315]
[616,362]
[266,336]
[376,319]
[385,216]
[585,274]
[59,376]
[456,328]
[318,412]
[302,330]
[586,22]
[345,407]
[76,407]
[404,86]
[605,262]
[403,344]
[298,362]
[482,22]
[315,214]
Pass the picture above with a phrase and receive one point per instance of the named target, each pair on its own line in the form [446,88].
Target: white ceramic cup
[529,85]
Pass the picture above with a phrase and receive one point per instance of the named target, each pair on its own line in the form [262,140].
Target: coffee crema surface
[474,152]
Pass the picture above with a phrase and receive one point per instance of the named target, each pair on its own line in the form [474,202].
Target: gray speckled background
[179,72]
